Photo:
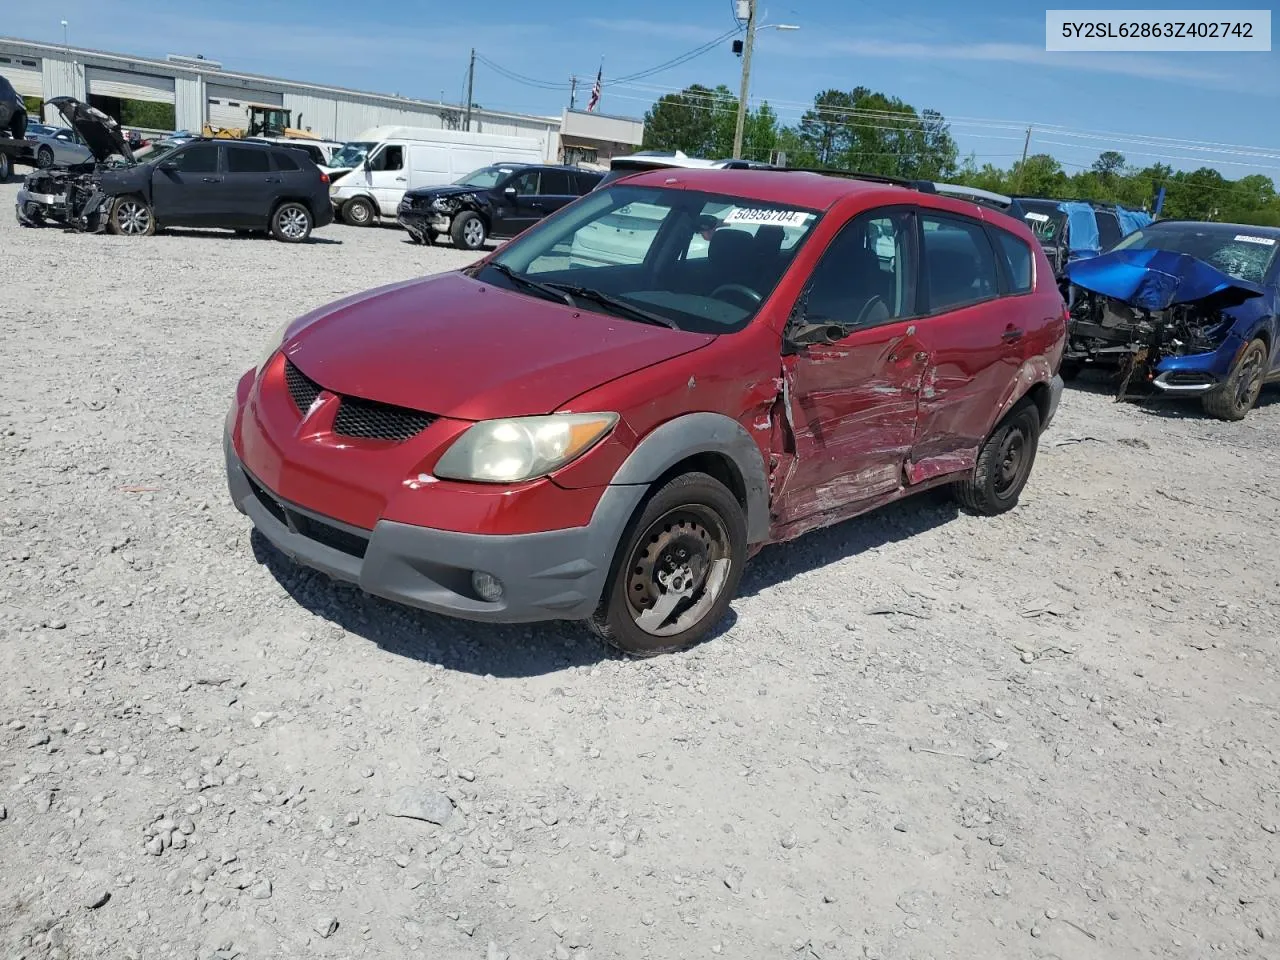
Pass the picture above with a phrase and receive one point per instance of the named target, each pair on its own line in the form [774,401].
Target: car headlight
[272,345]
[522,448]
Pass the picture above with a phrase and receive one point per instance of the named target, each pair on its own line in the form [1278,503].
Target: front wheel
[1004,464]
[676,570]
[358,212]
[1236,397]
[44,158]
[468,231]
[291,223]
[132,217]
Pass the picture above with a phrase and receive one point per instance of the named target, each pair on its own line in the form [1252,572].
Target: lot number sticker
[784,218]
[1038,217]
[1244,237]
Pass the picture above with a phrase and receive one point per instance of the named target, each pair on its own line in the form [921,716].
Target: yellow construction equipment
[264,121]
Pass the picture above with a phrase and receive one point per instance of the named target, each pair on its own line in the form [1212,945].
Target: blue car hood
[1158,279]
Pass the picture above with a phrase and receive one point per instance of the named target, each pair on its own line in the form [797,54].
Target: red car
[604,419]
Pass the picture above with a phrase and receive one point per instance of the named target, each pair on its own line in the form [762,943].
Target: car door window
[584,183]
[526,184]
[1015,255]
[555,183]
[389,158]
[1109,232]
[959,265]
[200,158]
[247,160]
[863,278]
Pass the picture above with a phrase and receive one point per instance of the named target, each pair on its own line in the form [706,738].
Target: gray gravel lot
[1050,734]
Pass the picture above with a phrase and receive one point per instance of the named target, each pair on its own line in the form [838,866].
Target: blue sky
[984,66]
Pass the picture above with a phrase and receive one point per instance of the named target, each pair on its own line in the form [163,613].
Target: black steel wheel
[1235,398]
[1004,464]
[677,569]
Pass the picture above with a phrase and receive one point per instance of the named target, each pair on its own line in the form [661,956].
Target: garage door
[127,85]
[24,74]
[228,105]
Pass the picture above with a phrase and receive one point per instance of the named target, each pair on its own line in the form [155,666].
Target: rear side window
[959,266]
[585,182]
[284,161]
[247,160]
[1016,257]
[1109,232]
[555,183]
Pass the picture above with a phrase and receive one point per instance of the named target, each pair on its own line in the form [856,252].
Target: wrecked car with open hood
[534,438]
[1183,307]
[74,196]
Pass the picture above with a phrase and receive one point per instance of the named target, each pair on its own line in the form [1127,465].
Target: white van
[384,162]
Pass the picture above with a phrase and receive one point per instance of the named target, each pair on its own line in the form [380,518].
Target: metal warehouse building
[193,91]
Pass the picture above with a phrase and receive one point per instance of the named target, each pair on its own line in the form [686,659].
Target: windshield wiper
[548,291]
[622,306]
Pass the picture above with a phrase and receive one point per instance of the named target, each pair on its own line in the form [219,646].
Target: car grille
[335,538]
[378,421]
[356,417]
[302,388]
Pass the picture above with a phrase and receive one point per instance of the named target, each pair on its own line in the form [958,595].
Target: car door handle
[1012,333]
[210,179]
[272,179]
[401,179]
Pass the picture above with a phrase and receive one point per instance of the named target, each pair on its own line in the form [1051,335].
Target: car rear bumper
[554,575]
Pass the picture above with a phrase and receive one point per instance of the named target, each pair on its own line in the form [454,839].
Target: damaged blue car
[1183,308]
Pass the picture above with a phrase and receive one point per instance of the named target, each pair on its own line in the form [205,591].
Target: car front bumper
[423,224]
[553,575]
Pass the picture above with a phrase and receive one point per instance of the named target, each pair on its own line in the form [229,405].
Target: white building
[193,91]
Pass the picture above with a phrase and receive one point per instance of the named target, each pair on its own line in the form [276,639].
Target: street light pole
[746,79]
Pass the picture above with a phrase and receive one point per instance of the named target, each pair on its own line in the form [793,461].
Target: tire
[132,216]
[44,157]
[6,167]
[358,212]
[1070,369]
[1004,464]
[692,516]
[468,231]
[1235,398]
[291,222]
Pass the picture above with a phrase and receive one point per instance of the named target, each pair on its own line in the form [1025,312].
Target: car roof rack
[924,186]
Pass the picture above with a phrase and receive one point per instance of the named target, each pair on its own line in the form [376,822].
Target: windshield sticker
[1266,241]
[757,215]
[1038,217]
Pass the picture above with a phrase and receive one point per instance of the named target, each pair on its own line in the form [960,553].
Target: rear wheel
[5,167]
[44,157]
[291,223]
[676,570]
[1235,398]
[1004,464]
[468,231]
[132,217]
[358,212]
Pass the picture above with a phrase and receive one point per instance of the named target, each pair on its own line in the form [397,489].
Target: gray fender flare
[696,433]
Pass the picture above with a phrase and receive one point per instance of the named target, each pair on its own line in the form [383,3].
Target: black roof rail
[924,186]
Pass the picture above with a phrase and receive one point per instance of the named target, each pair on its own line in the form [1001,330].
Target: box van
[384,162]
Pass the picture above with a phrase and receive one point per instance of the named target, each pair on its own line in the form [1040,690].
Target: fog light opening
[487,586]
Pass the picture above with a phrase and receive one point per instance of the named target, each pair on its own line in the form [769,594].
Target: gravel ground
[1051,734]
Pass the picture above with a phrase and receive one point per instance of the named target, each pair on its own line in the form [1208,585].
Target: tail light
[324,177]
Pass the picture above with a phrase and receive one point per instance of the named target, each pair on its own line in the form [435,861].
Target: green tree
[1039,176]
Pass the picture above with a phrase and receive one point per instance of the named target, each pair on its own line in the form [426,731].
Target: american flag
[595,91]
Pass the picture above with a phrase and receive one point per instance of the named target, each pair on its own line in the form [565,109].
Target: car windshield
[1045,220]
[1239,253]
[352,154]
[484,177]
[700,262]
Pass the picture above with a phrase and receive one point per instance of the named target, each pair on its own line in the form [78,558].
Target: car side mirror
[169,166]
[510,191]
[808,334]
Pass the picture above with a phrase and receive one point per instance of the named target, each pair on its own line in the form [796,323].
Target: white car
[57,146]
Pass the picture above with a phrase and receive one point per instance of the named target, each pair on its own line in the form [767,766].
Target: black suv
[251,187]
[495,201]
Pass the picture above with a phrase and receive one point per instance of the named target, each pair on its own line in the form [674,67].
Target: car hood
[459,348]
[444,190]
[1156,279]
[100,132]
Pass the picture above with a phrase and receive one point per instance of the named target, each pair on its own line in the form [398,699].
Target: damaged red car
[604,419]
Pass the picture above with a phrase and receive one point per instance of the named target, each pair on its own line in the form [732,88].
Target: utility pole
[1022,167]
[471,82]
[573,92]
[746,79]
